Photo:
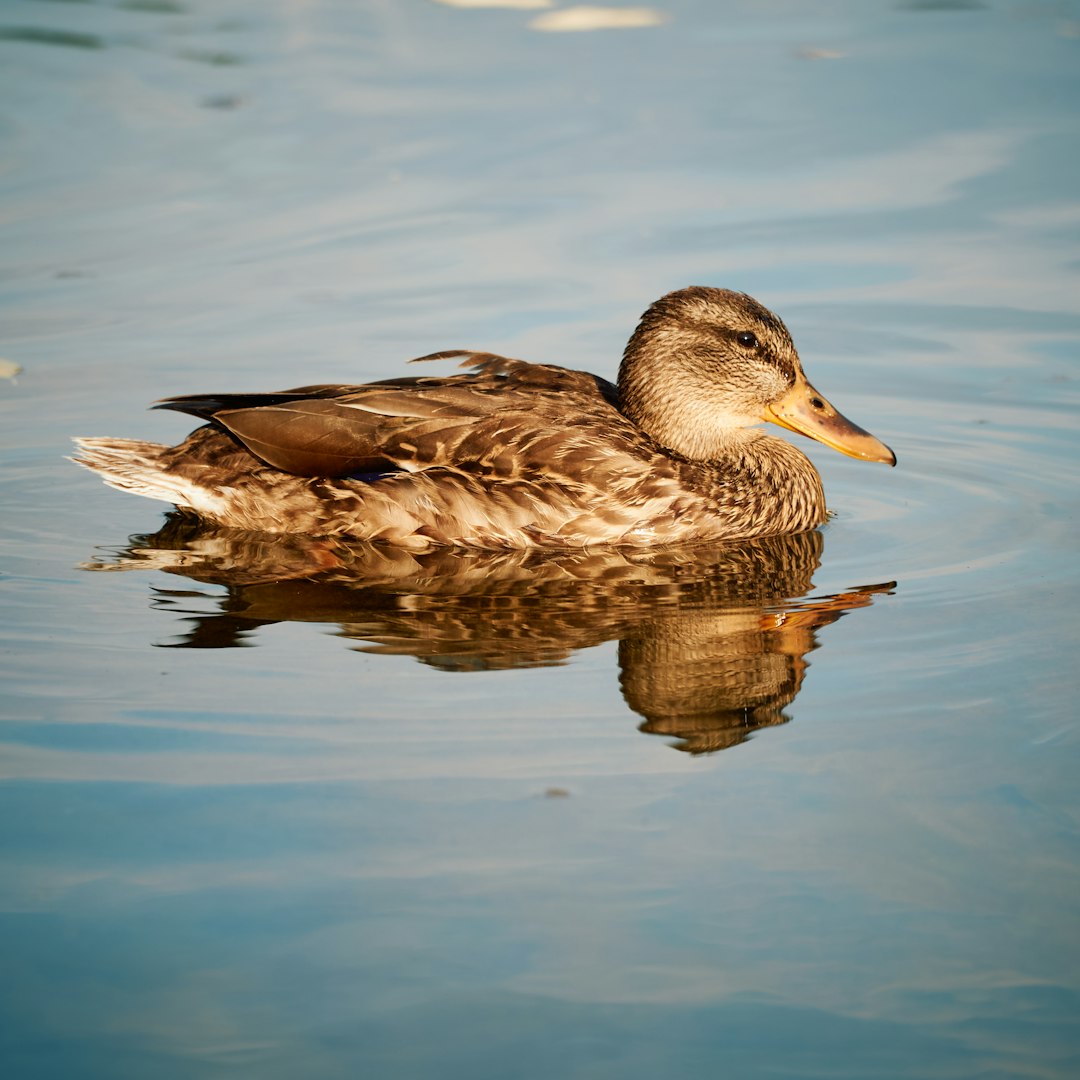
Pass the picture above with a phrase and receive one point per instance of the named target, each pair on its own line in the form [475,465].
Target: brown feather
[510,454]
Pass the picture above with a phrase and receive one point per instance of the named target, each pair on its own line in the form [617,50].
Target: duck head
[705,365]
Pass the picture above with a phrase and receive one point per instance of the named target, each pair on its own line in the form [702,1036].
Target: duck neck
[770,485]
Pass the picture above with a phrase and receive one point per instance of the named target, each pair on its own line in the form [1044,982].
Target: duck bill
[804,410]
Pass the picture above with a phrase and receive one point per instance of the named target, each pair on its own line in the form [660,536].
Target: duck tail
[133,465]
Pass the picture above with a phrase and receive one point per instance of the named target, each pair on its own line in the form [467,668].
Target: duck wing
[331,430]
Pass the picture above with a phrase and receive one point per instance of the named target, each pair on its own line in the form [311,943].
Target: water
[803,809]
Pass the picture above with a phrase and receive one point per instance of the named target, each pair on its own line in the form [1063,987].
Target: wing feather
[507,418]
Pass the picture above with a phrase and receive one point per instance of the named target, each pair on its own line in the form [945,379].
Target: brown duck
[517,455]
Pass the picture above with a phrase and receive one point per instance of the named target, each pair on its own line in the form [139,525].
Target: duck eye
[747,340]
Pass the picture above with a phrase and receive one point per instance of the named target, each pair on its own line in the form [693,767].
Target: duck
[509,454]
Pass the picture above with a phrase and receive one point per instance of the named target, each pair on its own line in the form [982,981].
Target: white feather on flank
[132,465]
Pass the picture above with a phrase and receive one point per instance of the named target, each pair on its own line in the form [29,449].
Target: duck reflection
[712,640]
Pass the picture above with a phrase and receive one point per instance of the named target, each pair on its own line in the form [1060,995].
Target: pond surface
[801,808]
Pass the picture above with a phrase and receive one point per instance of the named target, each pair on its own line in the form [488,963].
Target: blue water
[289,810]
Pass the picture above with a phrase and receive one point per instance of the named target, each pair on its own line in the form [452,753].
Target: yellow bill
[804,410]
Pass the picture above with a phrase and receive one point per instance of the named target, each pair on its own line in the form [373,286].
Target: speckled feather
[510,455]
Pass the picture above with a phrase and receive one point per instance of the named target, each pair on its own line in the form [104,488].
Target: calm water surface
[801,808]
